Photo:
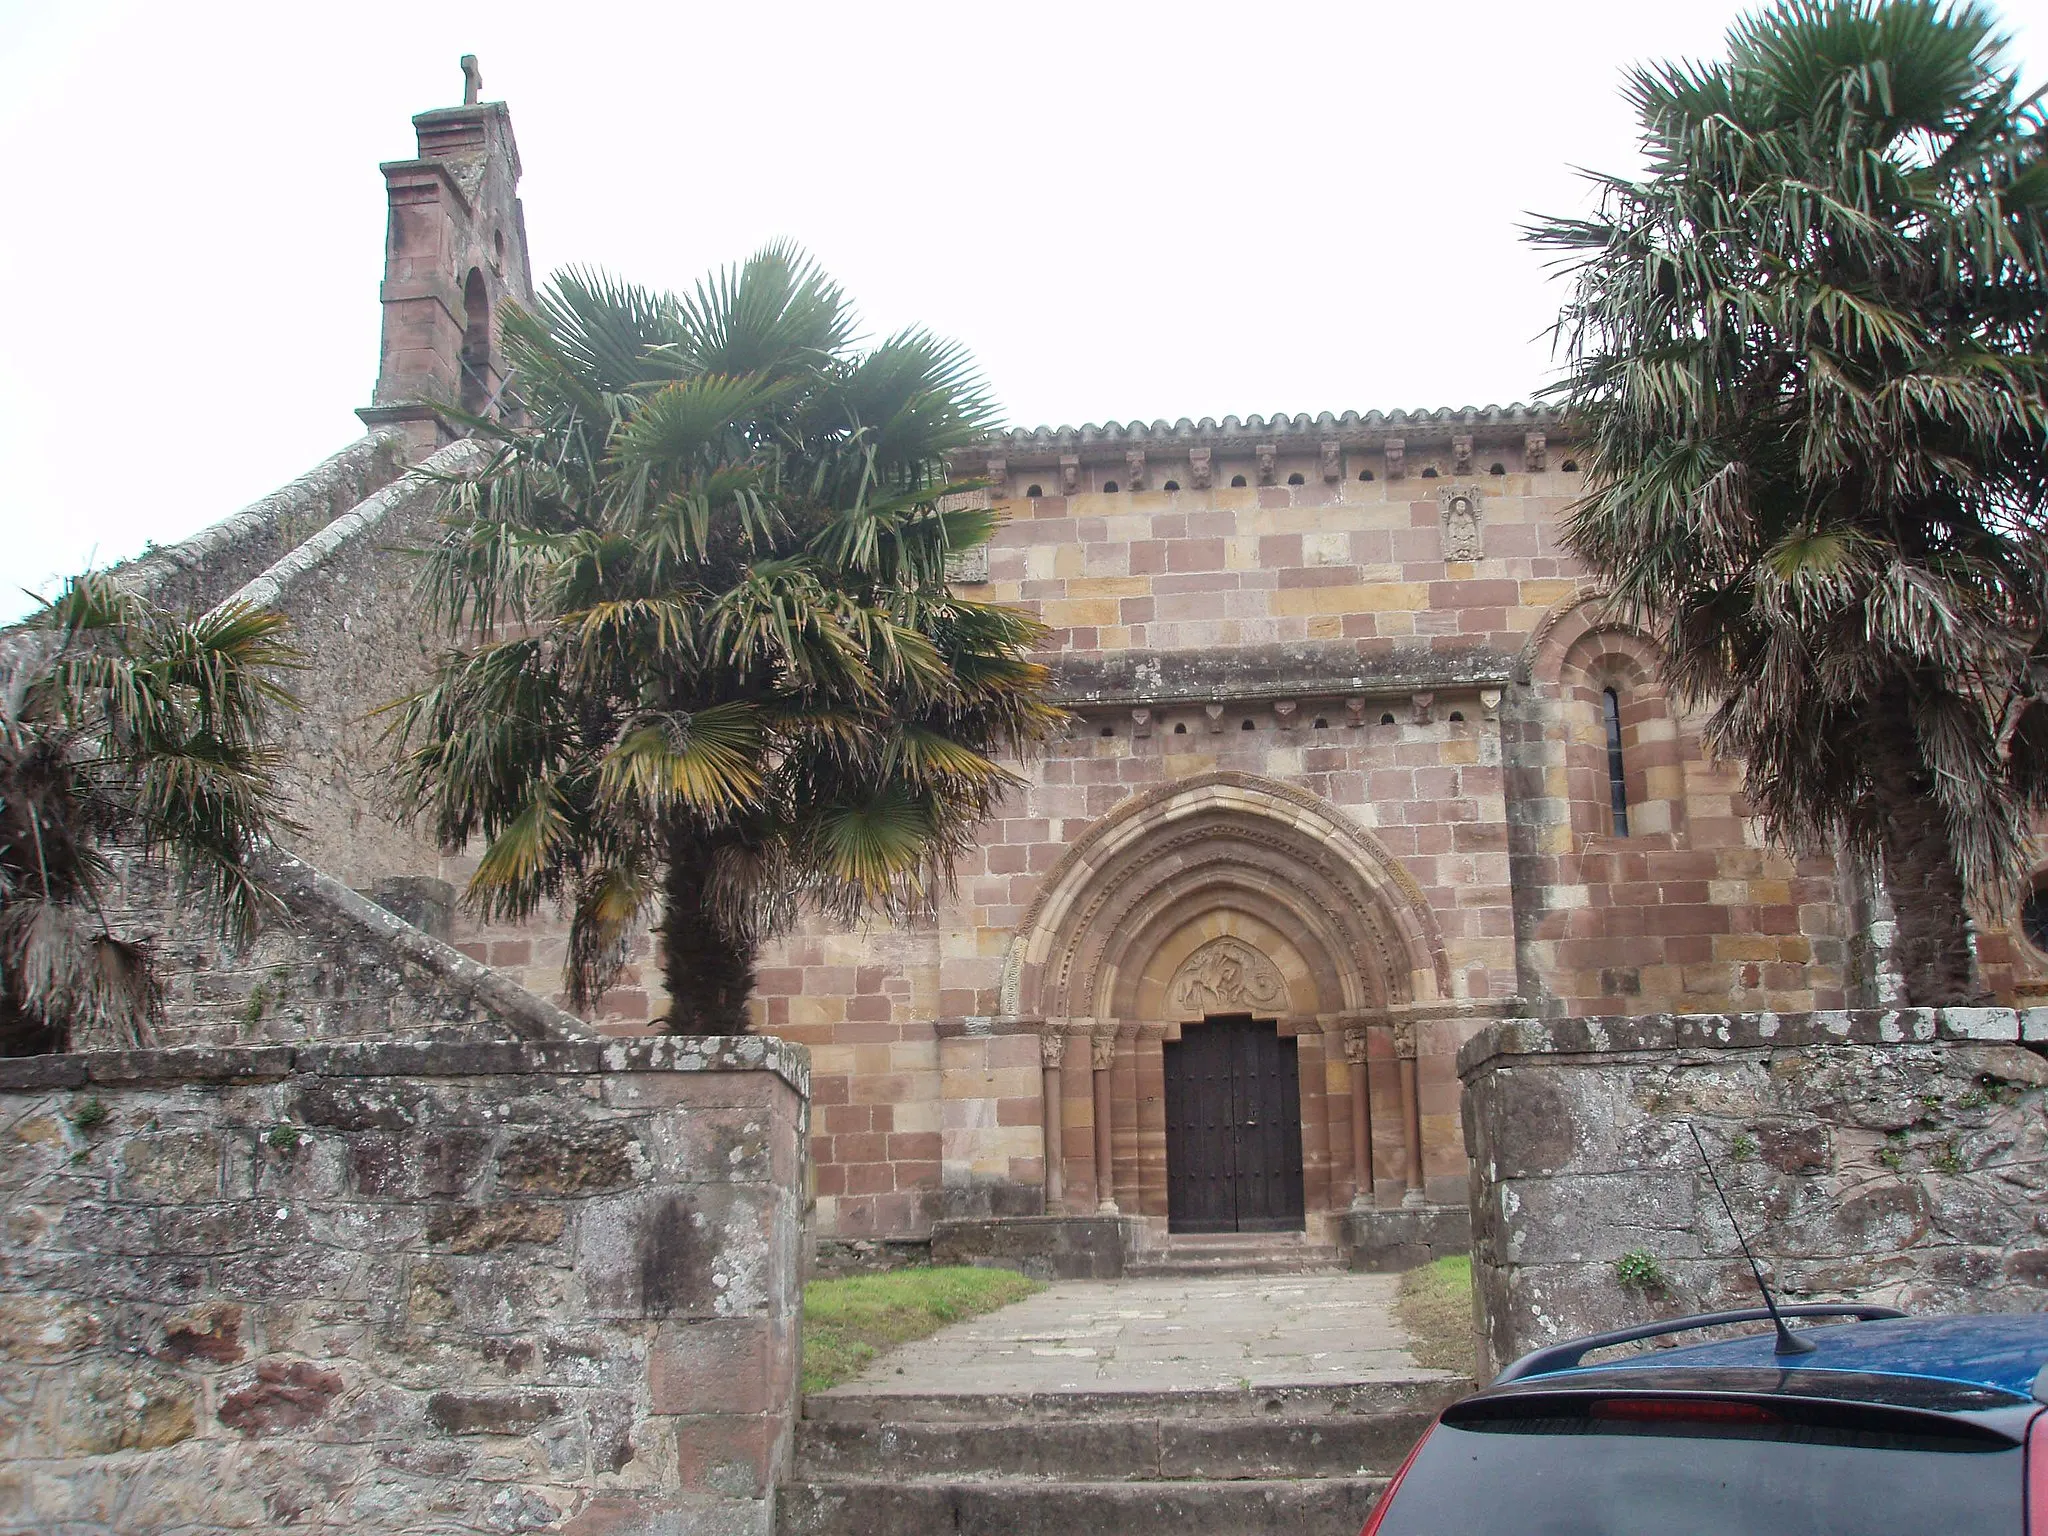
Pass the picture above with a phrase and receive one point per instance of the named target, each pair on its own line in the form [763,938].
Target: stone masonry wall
[1898,1157]
[400,1288]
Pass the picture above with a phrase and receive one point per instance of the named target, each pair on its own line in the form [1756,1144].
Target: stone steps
[1306,1459]
[1318,1507]
[1234,1253]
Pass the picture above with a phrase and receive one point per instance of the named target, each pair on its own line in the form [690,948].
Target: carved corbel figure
[1141,722]
[1265,452]
[1397,457]
[1215,714]
[1333,463]
[999,479]
[1070,473]
[1424,703]
[1535,451]
[1134,469]
[1355,709]
[1461,455]
[1284,711]
[1198,468]
[1489,700]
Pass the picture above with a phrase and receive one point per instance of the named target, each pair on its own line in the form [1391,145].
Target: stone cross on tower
[472,81]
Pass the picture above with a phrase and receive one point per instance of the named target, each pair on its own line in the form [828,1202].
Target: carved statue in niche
[1461,523]
[1226,975]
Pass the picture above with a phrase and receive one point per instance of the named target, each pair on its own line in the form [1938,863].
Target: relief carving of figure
[1461,525]
[1226,975]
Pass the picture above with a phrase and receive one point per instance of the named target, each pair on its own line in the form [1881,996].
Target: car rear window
[1592,1468]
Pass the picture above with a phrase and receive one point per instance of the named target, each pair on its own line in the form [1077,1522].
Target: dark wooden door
[1233,1129]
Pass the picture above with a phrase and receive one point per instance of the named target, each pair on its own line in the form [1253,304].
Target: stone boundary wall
[1897,1156]
[196,573]
[335,966]
[401,1287]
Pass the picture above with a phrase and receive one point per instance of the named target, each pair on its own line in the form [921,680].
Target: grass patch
[849,1322]
[1435,1306]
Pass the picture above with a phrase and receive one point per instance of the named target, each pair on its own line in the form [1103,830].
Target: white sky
[1131,208]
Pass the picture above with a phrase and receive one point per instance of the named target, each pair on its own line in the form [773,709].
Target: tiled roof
[1348,427]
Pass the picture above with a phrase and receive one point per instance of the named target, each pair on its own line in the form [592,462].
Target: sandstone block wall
[1898,1157]
[400,1288]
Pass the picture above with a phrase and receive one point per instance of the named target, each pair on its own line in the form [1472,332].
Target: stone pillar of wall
[1889,1156]
[401,1287]
[991,1138]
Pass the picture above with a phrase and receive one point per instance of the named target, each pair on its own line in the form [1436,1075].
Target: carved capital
[1198,468]
[1102,1052]
[1052,1049]
[1354,1045]
[1333,462]
[1404,1039]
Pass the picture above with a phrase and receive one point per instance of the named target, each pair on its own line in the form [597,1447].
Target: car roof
[2005,1351]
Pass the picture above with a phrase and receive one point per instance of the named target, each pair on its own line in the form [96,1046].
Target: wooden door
[1233,1129]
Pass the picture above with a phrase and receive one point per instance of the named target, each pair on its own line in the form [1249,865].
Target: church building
[1357,764]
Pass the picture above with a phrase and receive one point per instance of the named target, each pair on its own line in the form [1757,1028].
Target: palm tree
[1808,348]
[124,731]
[710,658]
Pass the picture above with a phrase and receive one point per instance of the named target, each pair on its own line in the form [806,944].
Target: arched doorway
[1224,946]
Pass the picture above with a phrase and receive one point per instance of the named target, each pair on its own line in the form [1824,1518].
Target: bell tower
[455,251]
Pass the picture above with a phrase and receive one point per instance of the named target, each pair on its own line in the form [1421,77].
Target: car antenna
[1789,1343]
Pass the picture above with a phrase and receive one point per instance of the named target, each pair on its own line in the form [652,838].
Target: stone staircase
[1233,1253]
[1307,1460]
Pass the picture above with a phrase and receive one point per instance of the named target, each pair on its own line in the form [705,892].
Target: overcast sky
[1125,209]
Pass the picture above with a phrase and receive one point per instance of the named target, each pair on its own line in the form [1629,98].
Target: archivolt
[1226,841]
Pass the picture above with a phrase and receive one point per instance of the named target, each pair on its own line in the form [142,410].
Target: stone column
[1411,1111]
[1361,1119]
[1102,1056]
[1052,1048]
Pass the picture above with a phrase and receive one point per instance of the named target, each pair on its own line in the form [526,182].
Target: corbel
[1333,463]
[1283,713]
[1424,703]
[1134,469]
[1141,722]
[1070,474]
[1198,468]
[1265,452]
[1461,454]
[1396,451]
[1215,714]
[1535,451]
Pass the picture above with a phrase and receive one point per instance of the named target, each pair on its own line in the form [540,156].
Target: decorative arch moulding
[1225,853]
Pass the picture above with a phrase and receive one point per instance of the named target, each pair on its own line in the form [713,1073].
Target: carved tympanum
[1226,975]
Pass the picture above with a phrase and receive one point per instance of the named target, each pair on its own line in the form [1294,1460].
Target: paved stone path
[1163,1335]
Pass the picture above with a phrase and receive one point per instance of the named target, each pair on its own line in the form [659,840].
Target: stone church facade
[1357,764]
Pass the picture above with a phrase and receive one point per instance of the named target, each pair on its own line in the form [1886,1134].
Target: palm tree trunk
[1932,945]
[708,971]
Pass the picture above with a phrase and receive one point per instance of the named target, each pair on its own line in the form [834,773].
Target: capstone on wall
[1890,1156]
[400,1288]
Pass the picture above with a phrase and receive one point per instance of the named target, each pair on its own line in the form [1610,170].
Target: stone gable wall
[1896,1157]
[400,1288]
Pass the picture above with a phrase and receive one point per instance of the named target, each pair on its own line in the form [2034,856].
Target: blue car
[1888,1426]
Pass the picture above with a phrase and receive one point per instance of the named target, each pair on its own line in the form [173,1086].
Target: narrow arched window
[476,344]
[1617,779]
